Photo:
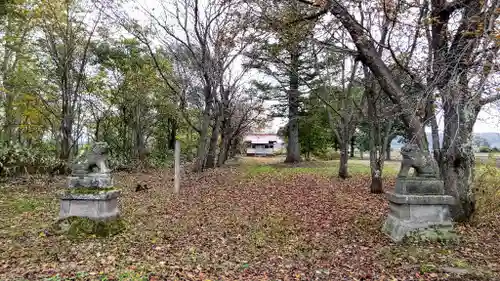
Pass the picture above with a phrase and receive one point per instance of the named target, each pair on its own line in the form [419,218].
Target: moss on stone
[78,227]
[432,234]
[89,190]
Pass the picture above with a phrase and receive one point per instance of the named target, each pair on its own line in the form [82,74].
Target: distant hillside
[492,139]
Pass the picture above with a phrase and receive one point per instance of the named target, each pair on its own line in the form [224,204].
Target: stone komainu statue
[423,163]
[94,160]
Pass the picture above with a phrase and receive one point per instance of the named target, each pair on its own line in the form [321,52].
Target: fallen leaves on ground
[226,226]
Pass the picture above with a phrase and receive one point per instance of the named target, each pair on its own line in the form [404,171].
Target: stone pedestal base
[98,206]
[422,215]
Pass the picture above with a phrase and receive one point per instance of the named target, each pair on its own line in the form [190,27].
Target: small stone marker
[418,205]
[91,194]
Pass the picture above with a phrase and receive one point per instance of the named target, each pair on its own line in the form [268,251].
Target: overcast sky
[488,120]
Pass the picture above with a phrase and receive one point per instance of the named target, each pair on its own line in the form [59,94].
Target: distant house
[263,144]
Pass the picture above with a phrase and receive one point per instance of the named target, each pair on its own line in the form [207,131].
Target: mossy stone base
[90,190]
[78,227]
[432,234]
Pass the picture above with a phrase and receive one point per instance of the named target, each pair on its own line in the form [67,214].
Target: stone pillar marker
[418,205]
[91,196]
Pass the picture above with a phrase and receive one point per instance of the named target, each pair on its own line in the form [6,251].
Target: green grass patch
[321,168]
[253,170]
[20,205]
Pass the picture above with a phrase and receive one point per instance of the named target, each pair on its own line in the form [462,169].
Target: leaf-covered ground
[240,223]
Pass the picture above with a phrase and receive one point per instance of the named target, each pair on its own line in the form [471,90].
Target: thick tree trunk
[223,147]
[376,167]
[344,157]
[67,117]
[66,132]
[457,157]
[376,160]
[138,135]
[227,150]
[201,150]
[212,150]
[293,146]
[226,130]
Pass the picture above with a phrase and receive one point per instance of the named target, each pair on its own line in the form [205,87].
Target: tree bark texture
[214,138]
[202,142]
[456,156]
[344,157]
[293,145]
[353,143]
[173,133]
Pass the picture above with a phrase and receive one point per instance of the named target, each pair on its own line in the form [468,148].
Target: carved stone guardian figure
[418,205]
[91,194]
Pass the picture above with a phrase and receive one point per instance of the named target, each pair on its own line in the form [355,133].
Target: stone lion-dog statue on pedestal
[93,160]
[423,163]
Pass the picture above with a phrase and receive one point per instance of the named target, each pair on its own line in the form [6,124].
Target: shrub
[17,159]
[327,155]
[484,149]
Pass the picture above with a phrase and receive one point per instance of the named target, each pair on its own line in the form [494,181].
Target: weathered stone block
[100,206]
[398,229]
[416,214]
[419,185]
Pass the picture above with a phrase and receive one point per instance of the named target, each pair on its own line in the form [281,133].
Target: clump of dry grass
[487,193]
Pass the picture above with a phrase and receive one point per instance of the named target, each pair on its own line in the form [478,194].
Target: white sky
[488,119]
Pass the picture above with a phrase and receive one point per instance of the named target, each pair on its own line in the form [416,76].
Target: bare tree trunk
[173,133]
[457,157]
[66,127]
[376,168]
[212,150]
[225,128]
[376,161]
[202,142]
[227,149]
[344,157]
[293,146]
[353,143]
[224,146]
[139,143]
[388,152]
